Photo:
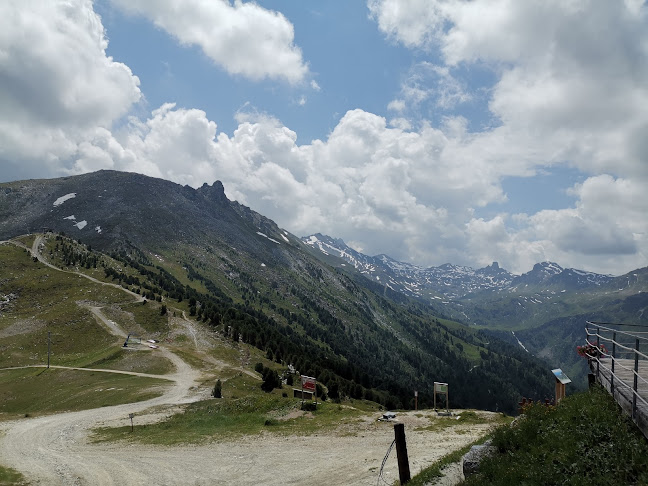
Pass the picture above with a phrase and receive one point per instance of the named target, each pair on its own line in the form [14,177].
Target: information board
[308,383]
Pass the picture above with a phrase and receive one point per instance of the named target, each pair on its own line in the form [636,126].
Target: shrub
[217,391]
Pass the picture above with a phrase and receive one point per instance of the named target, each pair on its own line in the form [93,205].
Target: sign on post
[441,389]
[309,384]
[561,380]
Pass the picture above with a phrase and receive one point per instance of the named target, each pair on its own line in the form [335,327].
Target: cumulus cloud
[429,82]
[243,38]
[404,187]
[568,89]
[57,85]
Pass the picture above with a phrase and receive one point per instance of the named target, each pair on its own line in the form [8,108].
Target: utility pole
[49,346]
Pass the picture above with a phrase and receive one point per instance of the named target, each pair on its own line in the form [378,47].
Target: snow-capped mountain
[453,281]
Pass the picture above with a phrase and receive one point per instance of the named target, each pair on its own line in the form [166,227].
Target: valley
[50,447]
[210,294]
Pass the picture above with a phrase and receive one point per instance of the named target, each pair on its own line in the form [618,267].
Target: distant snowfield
[72,217]
[62,199]
[519,342]
[81,224]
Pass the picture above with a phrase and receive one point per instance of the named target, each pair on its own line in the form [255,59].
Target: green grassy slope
[584,440]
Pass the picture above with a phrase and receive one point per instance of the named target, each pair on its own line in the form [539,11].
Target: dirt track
[54,451]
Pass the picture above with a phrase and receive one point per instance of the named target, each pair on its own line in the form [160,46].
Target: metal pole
[612,374]
[598,360]
[636,374]
[49,346]
[401,453]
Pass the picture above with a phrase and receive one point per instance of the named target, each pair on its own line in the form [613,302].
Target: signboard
[440,387]
[561,376]
[416,393]
[308,383]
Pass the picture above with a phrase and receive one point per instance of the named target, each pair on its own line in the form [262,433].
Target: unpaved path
[39,241]
[101,370]
[55,451]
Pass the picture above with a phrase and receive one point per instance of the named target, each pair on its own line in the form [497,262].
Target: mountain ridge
[449,280]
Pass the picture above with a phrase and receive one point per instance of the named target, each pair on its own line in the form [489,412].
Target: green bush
[217,392]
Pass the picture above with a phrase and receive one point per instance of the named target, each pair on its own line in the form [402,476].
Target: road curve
[52,450]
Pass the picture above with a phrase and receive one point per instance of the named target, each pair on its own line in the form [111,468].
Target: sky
[433,131]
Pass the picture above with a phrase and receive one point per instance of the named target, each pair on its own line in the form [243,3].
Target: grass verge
[35,391]
[436,470]
[11,477]
[584,440]
[246,410]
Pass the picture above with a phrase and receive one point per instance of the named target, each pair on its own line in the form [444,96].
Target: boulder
[470,461]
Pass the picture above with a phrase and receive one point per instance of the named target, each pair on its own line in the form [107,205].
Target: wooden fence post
[401,453]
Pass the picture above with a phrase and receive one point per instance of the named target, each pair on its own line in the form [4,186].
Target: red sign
[308,383]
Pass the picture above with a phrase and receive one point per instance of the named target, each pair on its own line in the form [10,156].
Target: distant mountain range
[543,311]
[450,281]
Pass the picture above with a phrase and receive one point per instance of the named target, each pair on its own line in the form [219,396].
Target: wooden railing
[618,357]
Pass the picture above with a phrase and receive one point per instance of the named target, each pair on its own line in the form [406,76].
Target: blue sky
[431,130]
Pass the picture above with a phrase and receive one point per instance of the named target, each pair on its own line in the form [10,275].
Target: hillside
[253,282]
[543,311]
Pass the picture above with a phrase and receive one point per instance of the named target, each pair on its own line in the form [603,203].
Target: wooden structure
[561,381]
[441,389]
[621,367]
[303,394]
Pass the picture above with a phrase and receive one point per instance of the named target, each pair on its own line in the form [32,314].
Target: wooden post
[131,415]
[49,346]
[415,400]
[560,391]
[401,453]
[598,360]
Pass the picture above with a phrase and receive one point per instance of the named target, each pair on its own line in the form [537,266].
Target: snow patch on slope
[62,199]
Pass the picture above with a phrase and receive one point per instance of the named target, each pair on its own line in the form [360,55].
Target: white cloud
[426,81]
[57,86]
[397,105]
[409,192]
[569,89]
[243,38]
[415,23]
[315,86]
